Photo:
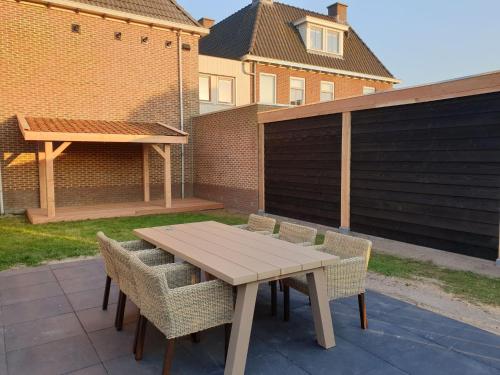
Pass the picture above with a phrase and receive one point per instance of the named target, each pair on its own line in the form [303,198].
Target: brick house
[275,54]
[95,60]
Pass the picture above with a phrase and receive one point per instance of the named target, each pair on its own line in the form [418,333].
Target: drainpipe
[181,110]
[2,208]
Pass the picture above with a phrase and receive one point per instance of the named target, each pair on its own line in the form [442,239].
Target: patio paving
[51,323]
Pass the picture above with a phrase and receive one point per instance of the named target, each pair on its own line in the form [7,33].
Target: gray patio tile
[83,271]
[3,365]
[57,357]
[29,293]
[38,309]
[92,298]
[80,284]
[77,263]
[273,363]
[2,341]
[127,365]
[92,370]
[95,319]
[386,370]
[22,271]
[25,335]
[408,351]
[111,344]
[27,279]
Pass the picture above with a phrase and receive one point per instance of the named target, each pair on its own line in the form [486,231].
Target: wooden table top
[235,255]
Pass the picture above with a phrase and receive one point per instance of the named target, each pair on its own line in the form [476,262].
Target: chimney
[206,22]
[339,12]
[257,2]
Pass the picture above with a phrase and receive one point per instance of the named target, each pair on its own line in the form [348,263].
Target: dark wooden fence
[426,173]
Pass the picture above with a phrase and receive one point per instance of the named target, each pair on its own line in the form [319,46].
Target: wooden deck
[102,211]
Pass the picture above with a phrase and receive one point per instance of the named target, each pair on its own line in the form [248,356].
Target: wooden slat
[235,242]
[345,203]
[292,251]
[221,268]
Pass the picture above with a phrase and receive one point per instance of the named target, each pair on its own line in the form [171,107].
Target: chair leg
[286,302]
[118,308]
[362,311]
[227,338]
[107,288]
[274,298]
[169,356]
[139,350]
[121,312]
[137,330]
[196,337]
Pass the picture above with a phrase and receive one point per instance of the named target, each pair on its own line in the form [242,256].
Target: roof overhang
[177,137]
[321,22]
[315,68]
[120,15]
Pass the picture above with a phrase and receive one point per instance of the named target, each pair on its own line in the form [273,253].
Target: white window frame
[372,90]
[275,87]
[233,90]
[209,88]
[332,84]
[304,96]
[310,32]
[325,31]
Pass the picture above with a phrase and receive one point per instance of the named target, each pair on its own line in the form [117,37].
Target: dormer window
[322,36]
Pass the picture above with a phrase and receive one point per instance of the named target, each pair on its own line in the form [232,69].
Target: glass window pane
[205,88]
[333,41]
[225,90]
[368,90]
[297,91]
[267,89]
[316,38]
[327,91]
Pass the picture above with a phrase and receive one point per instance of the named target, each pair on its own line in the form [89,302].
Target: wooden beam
[345,190]
[60,149]
[262,183]
[42,177]
[145,172]
[168,177]
[159,151]
[109,138]
[49,179]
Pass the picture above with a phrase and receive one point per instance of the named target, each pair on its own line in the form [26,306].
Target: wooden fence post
[345,190]
[261,172]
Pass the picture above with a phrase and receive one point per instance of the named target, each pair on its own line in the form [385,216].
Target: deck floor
[102,211]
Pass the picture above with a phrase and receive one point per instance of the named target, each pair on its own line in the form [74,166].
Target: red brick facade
[48,70]
[226,157]
[344,86]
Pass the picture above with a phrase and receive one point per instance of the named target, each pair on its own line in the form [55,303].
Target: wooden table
[244,260]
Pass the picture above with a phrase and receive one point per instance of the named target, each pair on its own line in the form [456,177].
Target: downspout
[181,111]
[2,208]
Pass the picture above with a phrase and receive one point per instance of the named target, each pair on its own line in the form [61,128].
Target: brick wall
[226,157]
[344,86]
[46,70]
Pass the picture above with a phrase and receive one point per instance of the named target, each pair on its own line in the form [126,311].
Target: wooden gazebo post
[165,154]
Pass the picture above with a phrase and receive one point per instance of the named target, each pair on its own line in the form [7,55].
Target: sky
[419,41]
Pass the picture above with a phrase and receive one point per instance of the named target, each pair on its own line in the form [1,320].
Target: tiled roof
[167,10]
[267,30]
[53,125]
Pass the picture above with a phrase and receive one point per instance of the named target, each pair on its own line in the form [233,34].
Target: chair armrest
[154,257]
[179,274]
[137,245]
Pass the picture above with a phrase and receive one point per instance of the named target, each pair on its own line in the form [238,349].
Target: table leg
[321,309]
[241,330]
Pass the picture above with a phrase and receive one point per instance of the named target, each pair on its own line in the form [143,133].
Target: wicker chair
[177,308]
[345,279]
[104,244]
[259,224]
[296,234]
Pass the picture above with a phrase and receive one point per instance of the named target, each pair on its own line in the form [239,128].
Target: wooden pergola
[48,131]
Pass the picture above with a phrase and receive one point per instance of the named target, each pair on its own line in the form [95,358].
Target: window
[225,94]
[327,91]
[267,89]
[297,91]
[316,38]
[368,90]
[332,41]
[205,88]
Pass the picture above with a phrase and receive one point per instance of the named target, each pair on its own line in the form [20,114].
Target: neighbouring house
[125,65]
[275,54]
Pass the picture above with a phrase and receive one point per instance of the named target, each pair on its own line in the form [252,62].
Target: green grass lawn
[24,244]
